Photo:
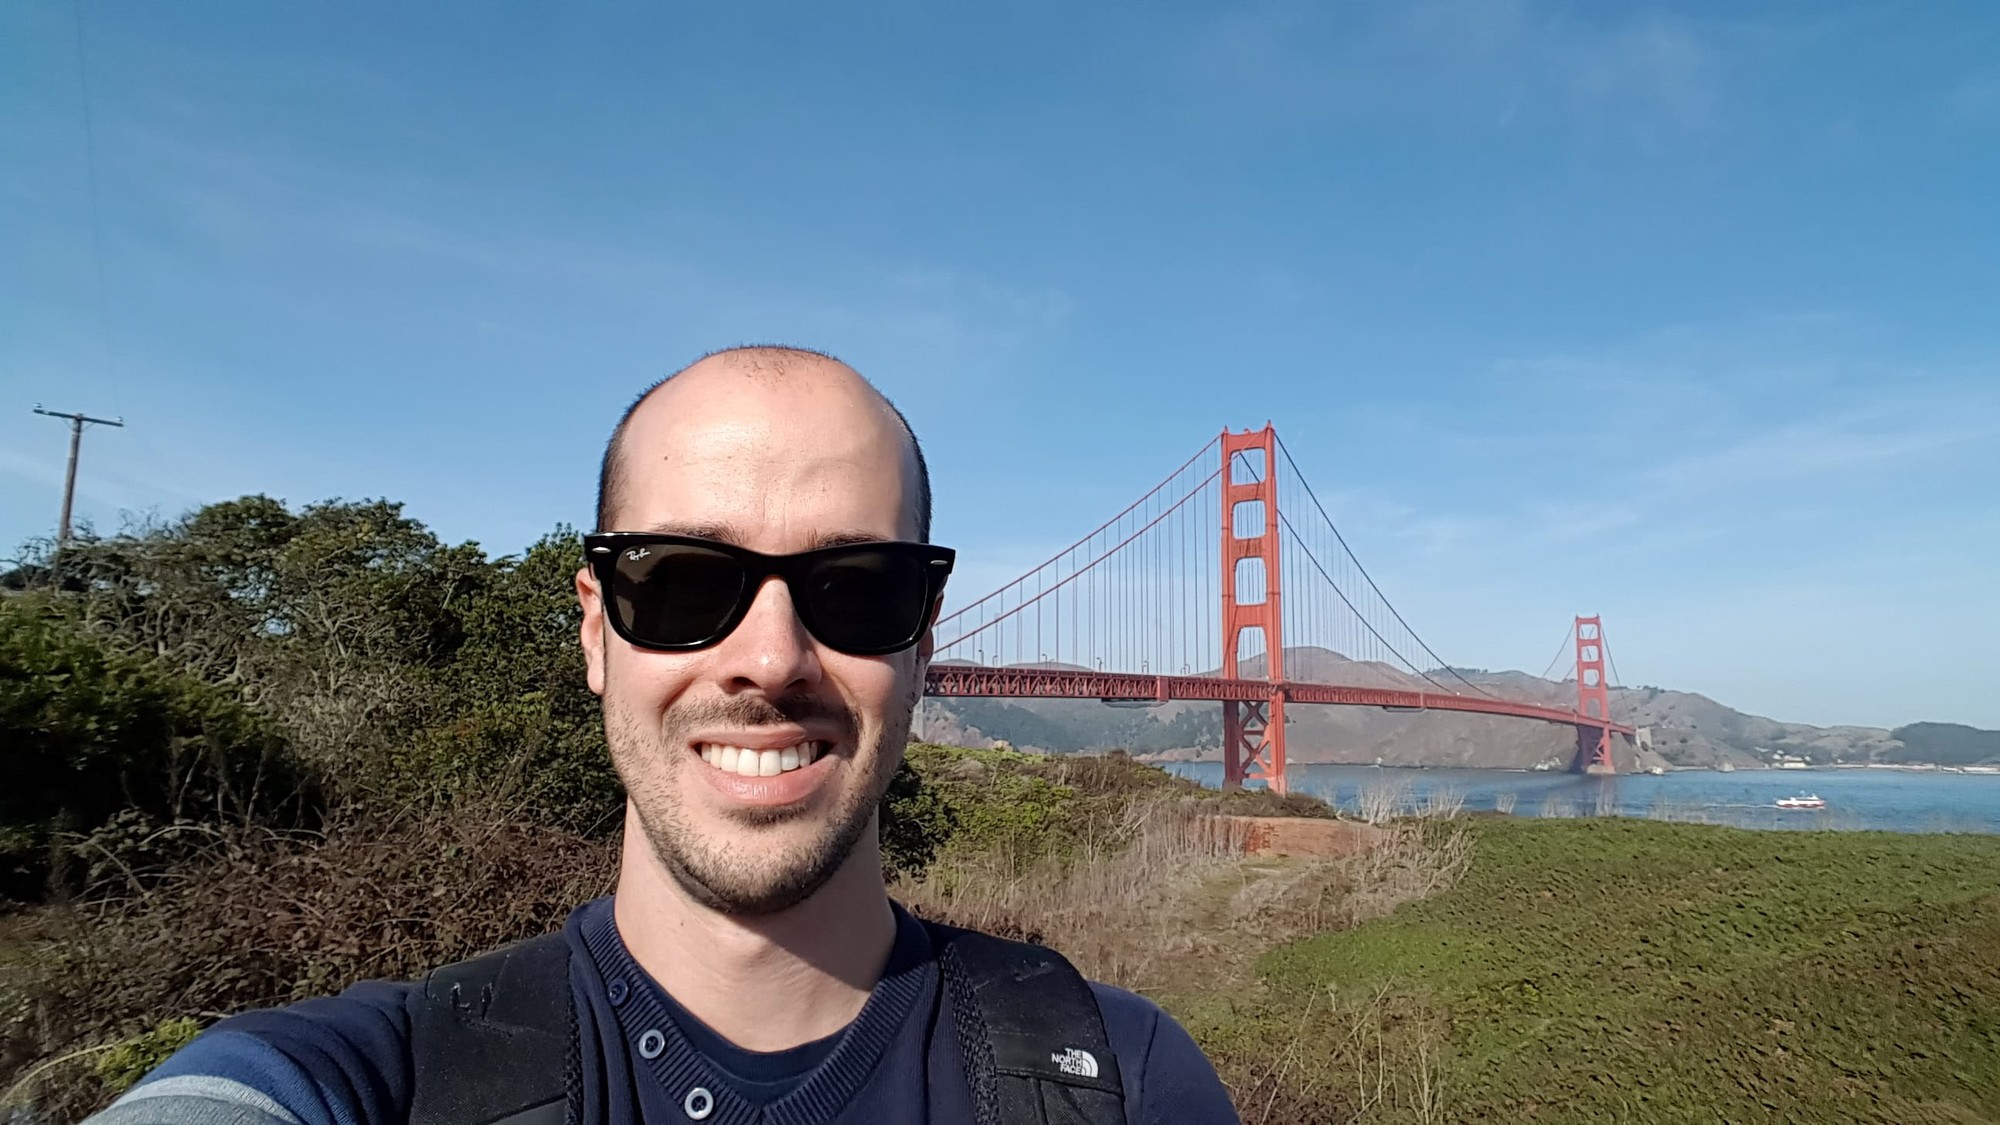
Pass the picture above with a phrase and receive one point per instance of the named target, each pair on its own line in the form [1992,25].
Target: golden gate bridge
[1197,590]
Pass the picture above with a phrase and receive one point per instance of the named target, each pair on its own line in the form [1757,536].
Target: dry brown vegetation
[1179,906]
[1173,909]
[256,918]
[1138,877]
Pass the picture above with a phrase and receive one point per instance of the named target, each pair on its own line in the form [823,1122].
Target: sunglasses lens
[676,595]
[867,600]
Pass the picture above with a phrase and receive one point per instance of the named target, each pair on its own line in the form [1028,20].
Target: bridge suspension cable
[1286,520]
[1437,661]
[1565,649]
[1135,594]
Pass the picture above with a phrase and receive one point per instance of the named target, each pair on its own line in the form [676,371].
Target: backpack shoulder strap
[1030,1031]
[493,1039]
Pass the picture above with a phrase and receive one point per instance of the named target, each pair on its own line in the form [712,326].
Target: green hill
[1637,971]
[1947,744]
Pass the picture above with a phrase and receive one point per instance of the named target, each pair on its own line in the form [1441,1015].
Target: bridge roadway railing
[1064,683]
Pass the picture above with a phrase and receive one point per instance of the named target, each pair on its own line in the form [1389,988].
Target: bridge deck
[1058,683]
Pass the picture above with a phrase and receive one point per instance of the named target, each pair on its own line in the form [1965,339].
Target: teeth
[759,763]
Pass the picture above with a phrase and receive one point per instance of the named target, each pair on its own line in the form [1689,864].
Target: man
[758,628]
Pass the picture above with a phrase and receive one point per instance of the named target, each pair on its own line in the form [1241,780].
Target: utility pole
[76,424]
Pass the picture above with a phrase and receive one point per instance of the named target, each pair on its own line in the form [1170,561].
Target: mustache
[759,711]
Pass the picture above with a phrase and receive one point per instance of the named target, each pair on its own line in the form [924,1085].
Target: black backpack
[493,1039]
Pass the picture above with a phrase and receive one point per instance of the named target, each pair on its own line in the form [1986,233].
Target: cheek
[878,687]
[642,683]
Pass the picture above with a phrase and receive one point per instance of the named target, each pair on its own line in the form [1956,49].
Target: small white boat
[1802,801]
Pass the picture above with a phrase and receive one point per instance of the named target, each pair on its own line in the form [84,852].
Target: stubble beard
[714,872]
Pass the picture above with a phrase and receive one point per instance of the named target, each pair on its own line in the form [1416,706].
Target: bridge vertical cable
[1345,630]
[1137,594]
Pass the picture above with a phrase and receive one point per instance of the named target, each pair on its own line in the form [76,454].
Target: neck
[767,982]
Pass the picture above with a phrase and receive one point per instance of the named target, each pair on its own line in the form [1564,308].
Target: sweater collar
[648,1027]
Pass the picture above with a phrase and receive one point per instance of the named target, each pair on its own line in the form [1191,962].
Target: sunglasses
[676,593]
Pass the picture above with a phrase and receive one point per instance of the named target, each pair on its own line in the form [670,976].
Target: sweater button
[698,1104]
[618,992]
[651,1044]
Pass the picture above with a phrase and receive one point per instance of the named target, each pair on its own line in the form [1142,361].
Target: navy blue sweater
[345,1060]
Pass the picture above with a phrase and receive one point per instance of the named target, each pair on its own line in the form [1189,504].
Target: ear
[591,633]
[927,647]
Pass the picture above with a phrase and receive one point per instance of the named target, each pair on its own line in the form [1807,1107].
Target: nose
[770,651]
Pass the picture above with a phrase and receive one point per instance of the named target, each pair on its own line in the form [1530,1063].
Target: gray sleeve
[193,1099]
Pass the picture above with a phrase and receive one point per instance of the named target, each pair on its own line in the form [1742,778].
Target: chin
[765,877]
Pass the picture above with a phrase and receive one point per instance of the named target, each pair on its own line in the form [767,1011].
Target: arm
[1168,1081]
[341,1060]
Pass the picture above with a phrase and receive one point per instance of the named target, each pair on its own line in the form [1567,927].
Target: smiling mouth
[745,762]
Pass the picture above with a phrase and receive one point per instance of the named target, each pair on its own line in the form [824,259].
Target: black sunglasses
[678,593]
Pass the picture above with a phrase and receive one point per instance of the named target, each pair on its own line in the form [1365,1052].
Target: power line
[90,178]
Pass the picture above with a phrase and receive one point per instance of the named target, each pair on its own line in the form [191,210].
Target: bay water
[1856,799]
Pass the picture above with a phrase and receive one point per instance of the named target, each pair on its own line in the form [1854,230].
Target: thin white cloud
[1874,439]
[1640,73]
[1706,435]
[97,489]
[252,207]
[1654,61]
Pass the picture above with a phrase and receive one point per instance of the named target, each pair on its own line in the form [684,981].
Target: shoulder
[1166,1076]
[339,1060]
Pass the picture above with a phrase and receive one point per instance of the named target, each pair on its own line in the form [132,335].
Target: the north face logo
[1075,1060]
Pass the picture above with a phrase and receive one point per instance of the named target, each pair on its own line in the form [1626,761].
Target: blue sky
[1686,315]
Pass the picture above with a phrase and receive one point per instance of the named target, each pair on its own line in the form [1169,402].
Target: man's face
[777,464]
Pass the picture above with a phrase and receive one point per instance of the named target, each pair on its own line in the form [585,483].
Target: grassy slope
[1641,971]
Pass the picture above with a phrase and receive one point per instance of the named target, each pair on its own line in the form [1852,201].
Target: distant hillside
[1688,729]
[1694,730]
[1947,744]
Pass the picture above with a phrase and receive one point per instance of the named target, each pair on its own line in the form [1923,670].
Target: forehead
[774,461]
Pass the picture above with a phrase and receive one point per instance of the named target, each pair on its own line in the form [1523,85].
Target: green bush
[917,822]
[520,717]
[134,1058]
[952,801]
[400,670]
[91,731]
[950,804]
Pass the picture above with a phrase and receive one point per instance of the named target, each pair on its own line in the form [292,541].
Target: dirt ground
[1305,837]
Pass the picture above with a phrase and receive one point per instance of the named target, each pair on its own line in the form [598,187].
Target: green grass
[1605,969]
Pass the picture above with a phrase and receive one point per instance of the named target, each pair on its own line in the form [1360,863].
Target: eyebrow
[720,532]
[730,534]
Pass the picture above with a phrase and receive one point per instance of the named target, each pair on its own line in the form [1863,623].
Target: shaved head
[778,451]
[760,362]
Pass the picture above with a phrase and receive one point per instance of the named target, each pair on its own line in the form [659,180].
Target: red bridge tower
[1253,732]
[1593,698]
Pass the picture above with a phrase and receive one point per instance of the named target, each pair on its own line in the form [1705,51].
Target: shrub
[91,731]
[916,822]
[131,1060]
[260,918]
